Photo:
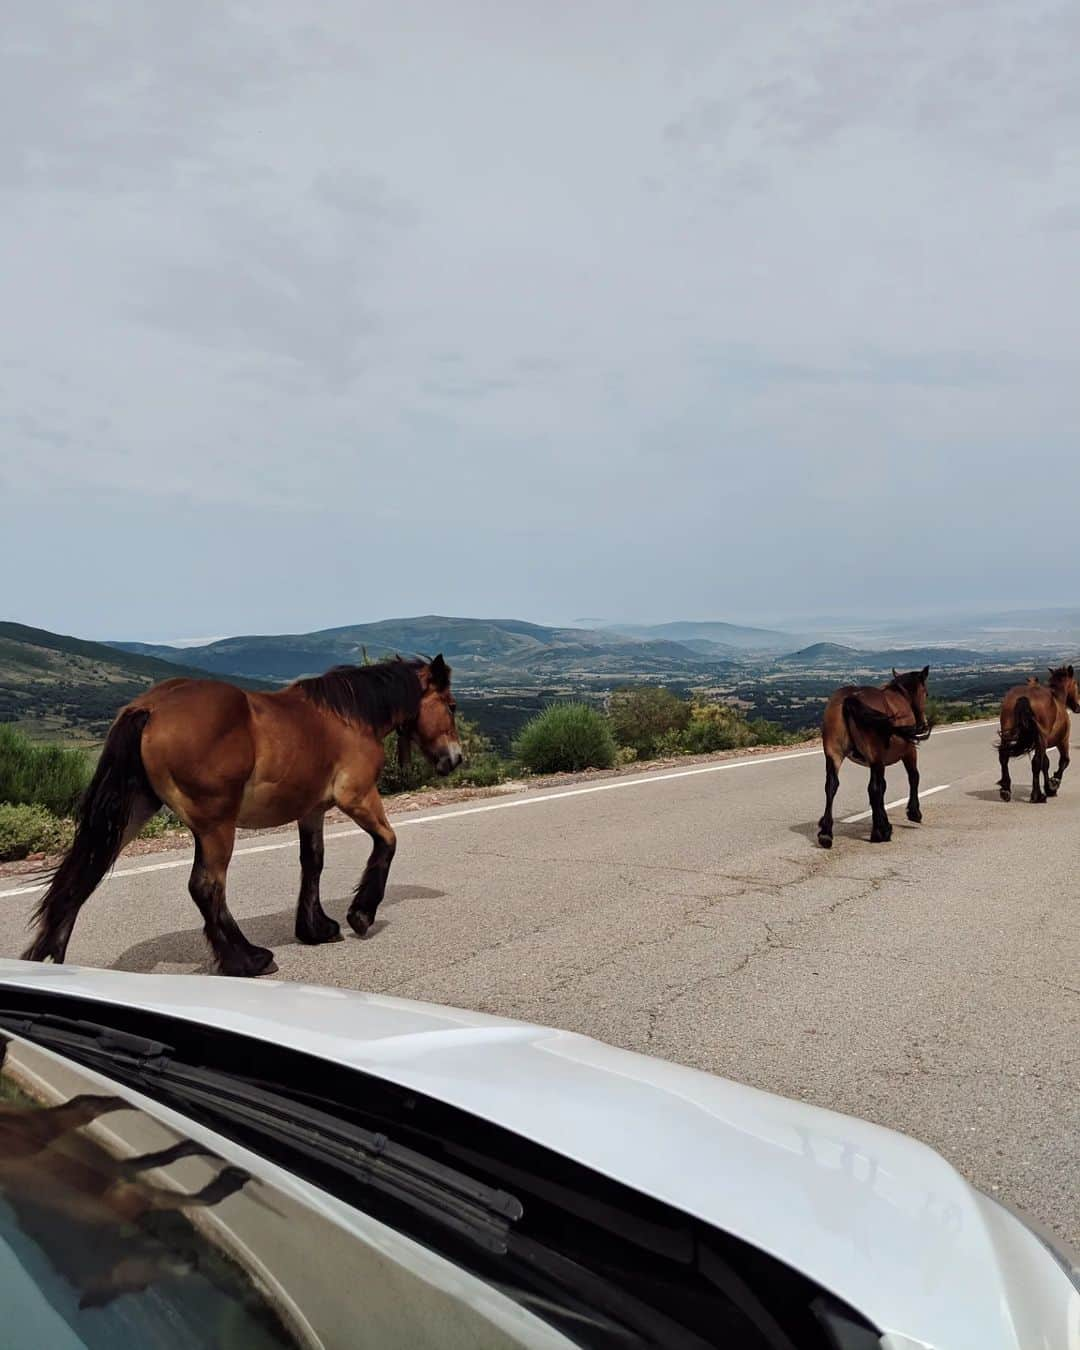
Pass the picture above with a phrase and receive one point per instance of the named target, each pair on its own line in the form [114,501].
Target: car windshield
[118,1228]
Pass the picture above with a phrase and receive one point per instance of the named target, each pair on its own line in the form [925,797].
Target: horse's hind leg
[1005,781]
[911,763]
[235,954]
[1039,760]
[832,782]
[881,832]
[313,925]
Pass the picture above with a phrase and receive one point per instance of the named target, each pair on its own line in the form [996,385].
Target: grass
[40,775]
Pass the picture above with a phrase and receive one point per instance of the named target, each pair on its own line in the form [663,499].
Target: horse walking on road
[875,727]
[222,758]
[1035,719]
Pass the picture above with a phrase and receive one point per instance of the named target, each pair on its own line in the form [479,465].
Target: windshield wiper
[476,1211]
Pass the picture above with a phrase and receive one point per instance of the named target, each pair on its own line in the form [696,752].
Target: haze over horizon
[406,309]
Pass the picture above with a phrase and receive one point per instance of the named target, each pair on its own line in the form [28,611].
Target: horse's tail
[118,788]
[879,724]
[1024,733]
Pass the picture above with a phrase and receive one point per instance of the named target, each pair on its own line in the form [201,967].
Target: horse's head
[913,684]
[435,730]
[1063,682]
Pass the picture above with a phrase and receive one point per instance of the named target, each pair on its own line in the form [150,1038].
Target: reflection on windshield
[92,1250]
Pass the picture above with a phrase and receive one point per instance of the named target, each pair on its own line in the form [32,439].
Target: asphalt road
[931,984]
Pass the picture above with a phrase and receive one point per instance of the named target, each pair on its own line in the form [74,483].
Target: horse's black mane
[1060,675]
[377,696]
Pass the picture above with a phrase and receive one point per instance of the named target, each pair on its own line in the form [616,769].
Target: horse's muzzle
[448,761]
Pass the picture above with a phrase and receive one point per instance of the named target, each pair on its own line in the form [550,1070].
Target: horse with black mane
[875,727]
[1034,719]
[221,757]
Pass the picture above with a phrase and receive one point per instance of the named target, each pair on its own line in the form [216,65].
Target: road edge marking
[890,806]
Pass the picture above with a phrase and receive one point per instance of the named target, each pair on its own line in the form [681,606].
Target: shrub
[162,823]
[40,775]
[642,715]
[564,738]
[772,733]
[31,829]
[715,726]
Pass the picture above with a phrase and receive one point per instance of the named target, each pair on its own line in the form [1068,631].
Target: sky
[325,313]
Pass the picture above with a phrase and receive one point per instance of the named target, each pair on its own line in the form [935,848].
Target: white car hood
[878,1218]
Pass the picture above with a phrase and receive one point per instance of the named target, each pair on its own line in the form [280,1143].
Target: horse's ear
[1070,672]
[924,673]
[440,673]
[894,674]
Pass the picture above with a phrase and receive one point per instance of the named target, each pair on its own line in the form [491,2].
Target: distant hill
[819,652]
[834,656]
[55,685]
[732,636]
[481,651]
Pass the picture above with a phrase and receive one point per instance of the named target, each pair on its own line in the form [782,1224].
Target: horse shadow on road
[187,946]
[994,795]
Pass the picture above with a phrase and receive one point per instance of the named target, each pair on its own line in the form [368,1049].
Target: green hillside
[59,687]
[481,651]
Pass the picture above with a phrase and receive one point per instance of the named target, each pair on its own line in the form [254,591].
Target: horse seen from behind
[875,727]
[221,757]
[1035,719]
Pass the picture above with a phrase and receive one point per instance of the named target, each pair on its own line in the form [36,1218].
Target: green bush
[643,715]
[564,738]
[40,775]
[31,829]
[716,726]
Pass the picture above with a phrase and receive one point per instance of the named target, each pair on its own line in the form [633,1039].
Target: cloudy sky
[325,312]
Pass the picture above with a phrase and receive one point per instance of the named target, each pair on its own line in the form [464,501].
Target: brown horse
[220,757]
[1035,718]
[875,727]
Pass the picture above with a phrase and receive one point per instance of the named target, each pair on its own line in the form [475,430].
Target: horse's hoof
[330,931]
[250,963]
[359,922]
[825,840]
[1051,791]
[1006,795]
[1039,799]
[877,838]
[916,816]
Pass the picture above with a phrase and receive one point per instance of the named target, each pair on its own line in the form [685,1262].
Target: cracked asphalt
[931,984]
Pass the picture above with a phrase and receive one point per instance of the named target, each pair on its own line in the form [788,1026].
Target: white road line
[900,801]
[528,799]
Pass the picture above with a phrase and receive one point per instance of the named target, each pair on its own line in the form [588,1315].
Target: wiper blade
[367,1156]
[477,1211]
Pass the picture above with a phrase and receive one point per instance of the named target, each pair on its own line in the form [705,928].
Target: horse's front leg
[313,924]
[881,832]
[369,814]
[911,763]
